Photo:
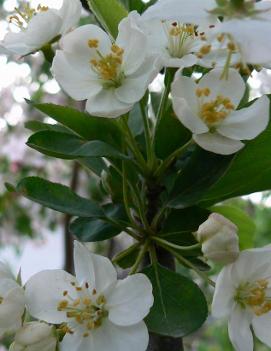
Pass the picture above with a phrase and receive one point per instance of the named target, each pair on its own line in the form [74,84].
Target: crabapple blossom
[220,242]
[242,295]
[12,302]
[111,76]
[39,27]
[209,110]
[97,311]
[35,336]
[185,11]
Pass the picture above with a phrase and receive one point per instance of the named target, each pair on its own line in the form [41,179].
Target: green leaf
[95,165]
[170,135]
[88,127]
[184,220]
[68,146]
[37,126]
[246,226]
[93,230]
[180,307]
[58,197]
[109,13]
[202,171]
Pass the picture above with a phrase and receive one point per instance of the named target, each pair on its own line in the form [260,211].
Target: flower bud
[220,242]
[35,336]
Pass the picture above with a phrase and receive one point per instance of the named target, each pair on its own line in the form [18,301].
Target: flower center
[88,309]
[180,38]
[254,295]
[213,112]
[22,17]
[108,67]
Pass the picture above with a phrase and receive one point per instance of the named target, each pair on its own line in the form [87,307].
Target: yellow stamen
[93,43]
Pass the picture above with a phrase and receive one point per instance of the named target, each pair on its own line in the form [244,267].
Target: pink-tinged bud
[35,336]
[220,242]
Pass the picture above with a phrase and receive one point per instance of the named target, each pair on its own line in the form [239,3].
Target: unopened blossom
[220,242]
[111,76]
[95,310]
[12,302]
[35,336]
[37,27]
[243,295]
[209,110]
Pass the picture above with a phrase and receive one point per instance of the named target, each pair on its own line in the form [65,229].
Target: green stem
[139,258]
[168,161]
[133,146]
[126,230]
[126,201]
[148,137]
[48,53]
[153,255]
[186,262]
[163,102]
[174,246]
[125,253]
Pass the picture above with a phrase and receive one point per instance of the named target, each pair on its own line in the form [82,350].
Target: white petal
[74,82]
[15,43]
[260,269]
[44,291]
[97,270]
[70,13]
[76,42]
[109,337]
[130,301]
[186,61]
[188,118]
[217,143]
[107,104]
[134,43]
[42,28]
[233,87]
[134,86]
[252,36]
[239,330]
[223,299]
[185,11]
[185,103]
[261,326]
[12,308]
[247,123]
[185,88]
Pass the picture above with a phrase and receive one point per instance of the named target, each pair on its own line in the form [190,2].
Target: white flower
[100,312]
[208,109]
[35,336]
[12,302]
[243,295]
[112,77]
[220,242]
[38,27]
[248,29]
[185,11]
[176,30]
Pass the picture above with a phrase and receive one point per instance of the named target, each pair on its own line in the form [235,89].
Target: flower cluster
[90,311]
[113,75]
[206,51]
